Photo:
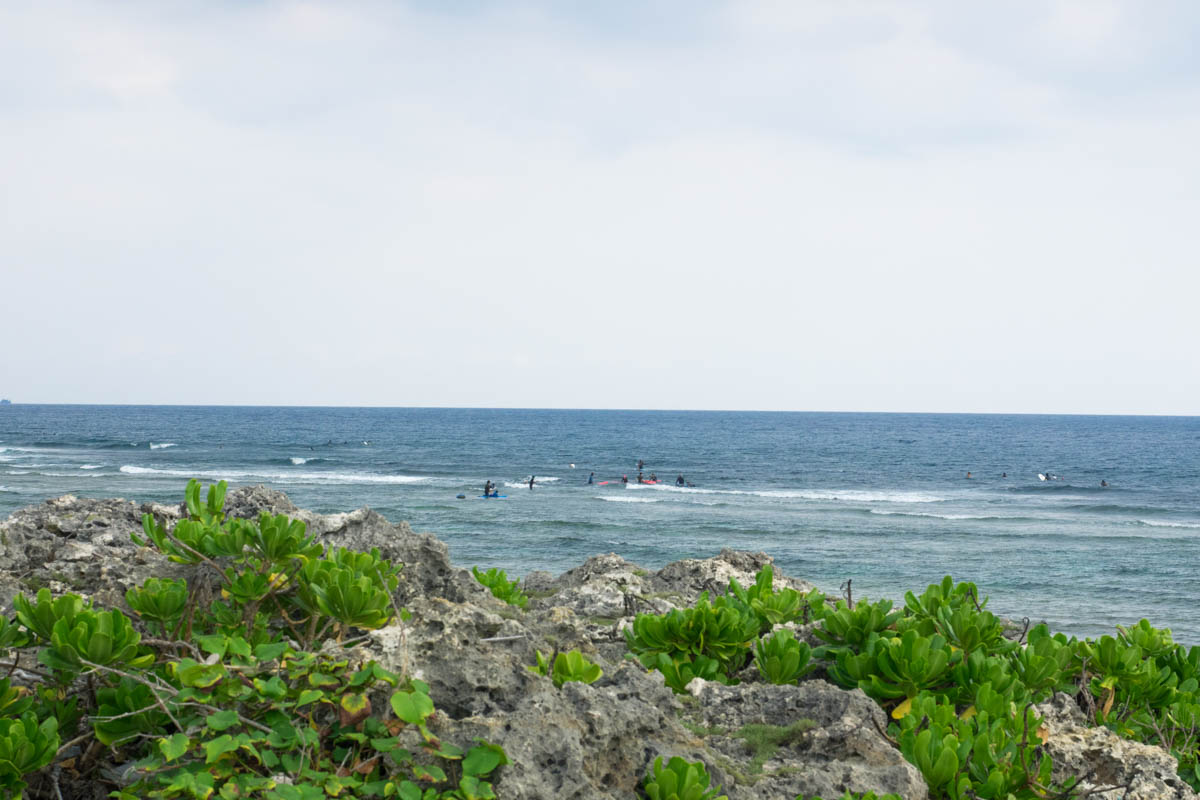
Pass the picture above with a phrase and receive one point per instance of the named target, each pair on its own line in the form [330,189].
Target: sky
[836,206]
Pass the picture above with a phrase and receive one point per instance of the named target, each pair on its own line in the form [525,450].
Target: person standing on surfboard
[591,478]
[487,488]
[531,483]
[641,464]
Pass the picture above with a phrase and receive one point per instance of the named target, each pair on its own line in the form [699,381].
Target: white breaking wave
[298,461]
[630,499]
[844,495]
[91,466]
[278,477]
[162,446]
[933,516]
[537,481]
[1157,523]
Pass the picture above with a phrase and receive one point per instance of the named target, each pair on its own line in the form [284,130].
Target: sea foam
[629,499]
[162,446]
[841,495]
[278,477]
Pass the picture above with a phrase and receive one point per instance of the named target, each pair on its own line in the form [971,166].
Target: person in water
[640,478]
[680,481]
[641,464]
[592,478]
[968,476]
[653,478]
[624,479]
[1104,484]
[531,483]
[487,488]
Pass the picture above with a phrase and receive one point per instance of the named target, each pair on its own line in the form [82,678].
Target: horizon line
[614,409]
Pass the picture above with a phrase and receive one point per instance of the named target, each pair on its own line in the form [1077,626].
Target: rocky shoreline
[580,741]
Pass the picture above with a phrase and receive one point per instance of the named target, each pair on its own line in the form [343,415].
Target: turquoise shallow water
[879,498]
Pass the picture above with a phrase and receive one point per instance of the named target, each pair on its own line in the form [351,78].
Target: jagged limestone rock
[844,750]
[1100,758]
[579,741]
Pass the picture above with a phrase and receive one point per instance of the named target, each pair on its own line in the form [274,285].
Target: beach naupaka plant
[567,667]
[269,564]
[501,587]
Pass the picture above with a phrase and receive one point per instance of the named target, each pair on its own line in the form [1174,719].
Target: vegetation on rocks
[248,691]
[261,659]
[961,693]
[501,587]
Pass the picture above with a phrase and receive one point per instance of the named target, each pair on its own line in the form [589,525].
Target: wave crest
[278,477]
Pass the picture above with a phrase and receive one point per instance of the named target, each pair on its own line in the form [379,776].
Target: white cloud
[830,206]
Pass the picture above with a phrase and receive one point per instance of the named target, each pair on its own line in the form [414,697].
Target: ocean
[882,499]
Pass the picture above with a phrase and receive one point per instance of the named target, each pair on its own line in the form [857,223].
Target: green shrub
[722,634]
[679,671]
[782,659]
[161,601]
[501,587]
[25,746]
[993,752]
[772,607]
[845,628]
[570,666]
[1046,664]
[906,666]
[236,693]
[679,780]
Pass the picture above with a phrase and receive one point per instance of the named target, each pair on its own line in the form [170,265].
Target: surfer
[653,478]
[531,483]
[1003,474]
[680,481]
[1104,484]
[640,478]
[968,476]
[591,478]
[625,479]
[641,464]
[487,488]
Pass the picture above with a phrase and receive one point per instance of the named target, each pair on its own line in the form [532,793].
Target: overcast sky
[746,205]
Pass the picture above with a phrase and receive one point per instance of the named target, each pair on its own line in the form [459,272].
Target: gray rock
[844,750]
[1100,758]
[72,544]
[691,576]
[579,741]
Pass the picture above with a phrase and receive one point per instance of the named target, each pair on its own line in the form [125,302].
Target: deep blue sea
[882,499]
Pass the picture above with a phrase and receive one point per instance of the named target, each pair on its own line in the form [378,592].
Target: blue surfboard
[492,497]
